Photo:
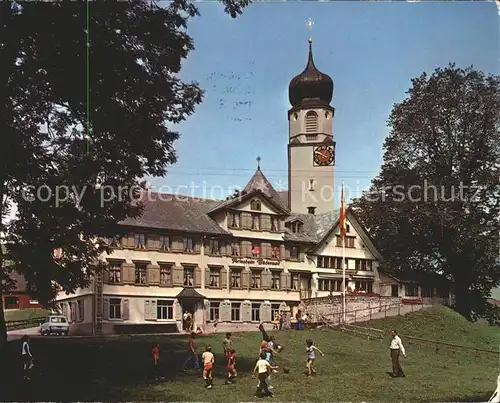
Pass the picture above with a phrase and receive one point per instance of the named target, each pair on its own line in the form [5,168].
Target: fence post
[385,311]
[370,313]
[412,307]
[399,309]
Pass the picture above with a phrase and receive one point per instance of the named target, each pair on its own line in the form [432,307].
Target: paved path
[17,334]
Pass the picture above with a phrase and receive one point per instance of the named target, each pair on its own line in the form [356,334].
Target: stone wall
[357,306]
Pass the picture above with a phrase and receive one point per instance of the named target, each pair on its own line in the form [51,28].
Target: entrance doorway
[394,290]
[188,311]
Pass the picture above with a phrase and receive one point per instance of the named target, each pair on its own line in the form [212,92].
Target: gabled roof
[240,199]
[259,182]
[177,213]
[189,293]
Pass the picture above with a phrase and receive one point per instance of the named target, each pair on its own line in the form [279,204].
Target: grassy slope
[25,314]
[354,369]
[442,324]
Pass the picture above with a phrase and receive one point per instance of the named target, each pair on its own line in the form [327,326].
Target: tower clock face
[323,155]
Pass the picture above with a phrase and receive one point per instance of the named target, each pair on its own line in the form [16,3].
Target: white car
[54,324]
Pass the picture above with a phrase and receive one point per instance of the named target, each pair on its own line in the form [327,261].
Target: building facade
[238,261]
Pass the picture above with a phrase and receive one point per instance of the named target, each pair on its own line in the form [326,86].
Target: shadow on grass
[99,369]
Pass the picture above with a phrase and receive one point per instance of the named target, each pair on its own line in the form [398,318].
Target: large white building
[240,260]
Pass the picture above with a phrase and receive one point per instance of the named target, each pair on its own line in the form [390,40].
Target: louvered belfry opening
[311,122]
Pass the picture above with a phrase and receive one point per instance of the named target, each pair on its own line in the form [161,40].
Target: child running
[156,358]
[208,366]
[227,344]
[231,367]
[311,356]
[262,368]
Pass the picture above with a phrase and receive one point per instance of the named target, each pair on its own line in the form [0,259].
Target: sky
[370,49]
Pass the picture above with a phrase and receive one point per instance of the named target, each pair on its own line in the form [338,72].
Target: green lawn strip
[25,314]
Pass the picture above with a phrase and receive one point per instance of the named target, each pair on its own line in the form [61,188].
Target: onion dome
[311,86]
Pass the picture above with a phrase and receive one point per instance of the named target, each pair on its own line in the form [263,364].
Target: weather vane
[258,162]
[309,25]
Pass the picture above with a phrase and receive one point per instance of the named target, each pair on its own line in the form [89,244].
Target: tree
[435,205]
[87,92]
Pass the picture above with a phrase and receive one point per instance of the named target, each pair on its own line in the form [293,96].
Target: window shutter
[125,309]
[225,311]
[284,281]
[177,276]
[245,279]
[153,242]
[197,276]
[105,276]
[153,274]
[246,220]
[224,248]
[105,308]
[177,243]
[152,310]
[268,250]
[266,279]
[147,310]
[207,277]
[302,255]
[130,241]
[246,248]
[282,251]
[128,273]
[246,311]
[177,310]
[265,222]
[223,277]
[197,245]
[265,312]
[74,317]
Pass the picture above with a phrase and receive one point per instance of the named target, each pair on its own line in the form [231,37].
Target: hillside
[442,324]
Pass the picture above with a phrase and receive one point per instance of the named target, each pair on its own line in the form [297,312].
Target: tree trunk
[3,327]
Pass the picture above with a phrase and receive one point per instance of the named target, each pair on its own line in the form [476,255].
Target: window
[235,311]
[141,273]
[214,278]
[295,282]
[311,210]
[369,266]
[57,319]
[255,205]
[188,245]
[275,251]
[256,276]
[295,226]
[275,224]
[394,290]
[411,290]
[326,262]
[115,242]
[115,308]
[311,184]
[164,310]
[81,309]
[255,221]
[214,310]
[140,241]
[165,275]
[427,291]
[311,122]
[275,310]
[256,250]
[214,247]
[275,280]
[235,249]
[364,286]
[347,228]
[188,276]
[349,241]
[115,273]
[165,242]
[235,278]
[329,285]
[234,220]
[255,312]
[362,264]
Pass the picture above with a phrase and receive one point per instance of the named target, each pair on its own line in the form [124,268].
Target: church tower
[311,149]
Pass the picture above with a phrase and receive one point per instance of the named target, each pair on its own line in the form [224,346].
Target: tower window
[311,184]
[327,115]
[311,137]
[311,122]
[295,116]
[311,210]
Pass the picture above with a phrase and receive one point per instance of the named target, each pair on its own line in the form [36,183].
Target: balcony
[305,294]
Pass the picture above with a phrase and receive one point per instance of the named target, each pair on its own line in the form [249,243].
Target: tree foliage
[102,76]
[435,205]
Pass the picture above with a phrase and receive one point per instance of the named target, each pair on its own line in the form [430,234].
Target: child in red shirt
[156,358]
[231,366]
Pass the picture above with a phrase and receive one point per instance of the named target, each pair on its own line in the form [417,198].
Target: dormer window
[255,205]
[234,220]
[311,122]
[255,222]
[296,227]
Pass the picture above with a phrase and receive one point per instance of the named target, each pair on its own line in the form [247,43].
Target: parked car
[54,324]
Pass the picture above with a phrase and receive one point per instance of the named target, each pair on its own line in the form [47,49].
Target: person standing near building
[192,354]
[27,356]
[397,348]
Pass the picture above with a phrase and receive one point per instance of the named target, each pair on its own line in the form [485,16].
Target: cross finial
[258,162]
[309,25]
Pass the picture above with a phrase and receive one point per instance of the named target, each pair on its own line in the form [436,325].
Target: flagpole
[343,264]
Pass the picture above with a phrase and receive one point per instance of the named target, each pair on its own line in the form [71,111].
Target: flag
[343,219]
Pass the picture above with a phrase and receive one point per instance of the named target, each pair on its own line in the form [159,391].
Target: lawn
[353,369]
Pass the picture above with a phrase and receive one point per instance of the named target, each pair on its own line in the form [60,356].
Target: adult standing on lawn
[397,348]
[192,353]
